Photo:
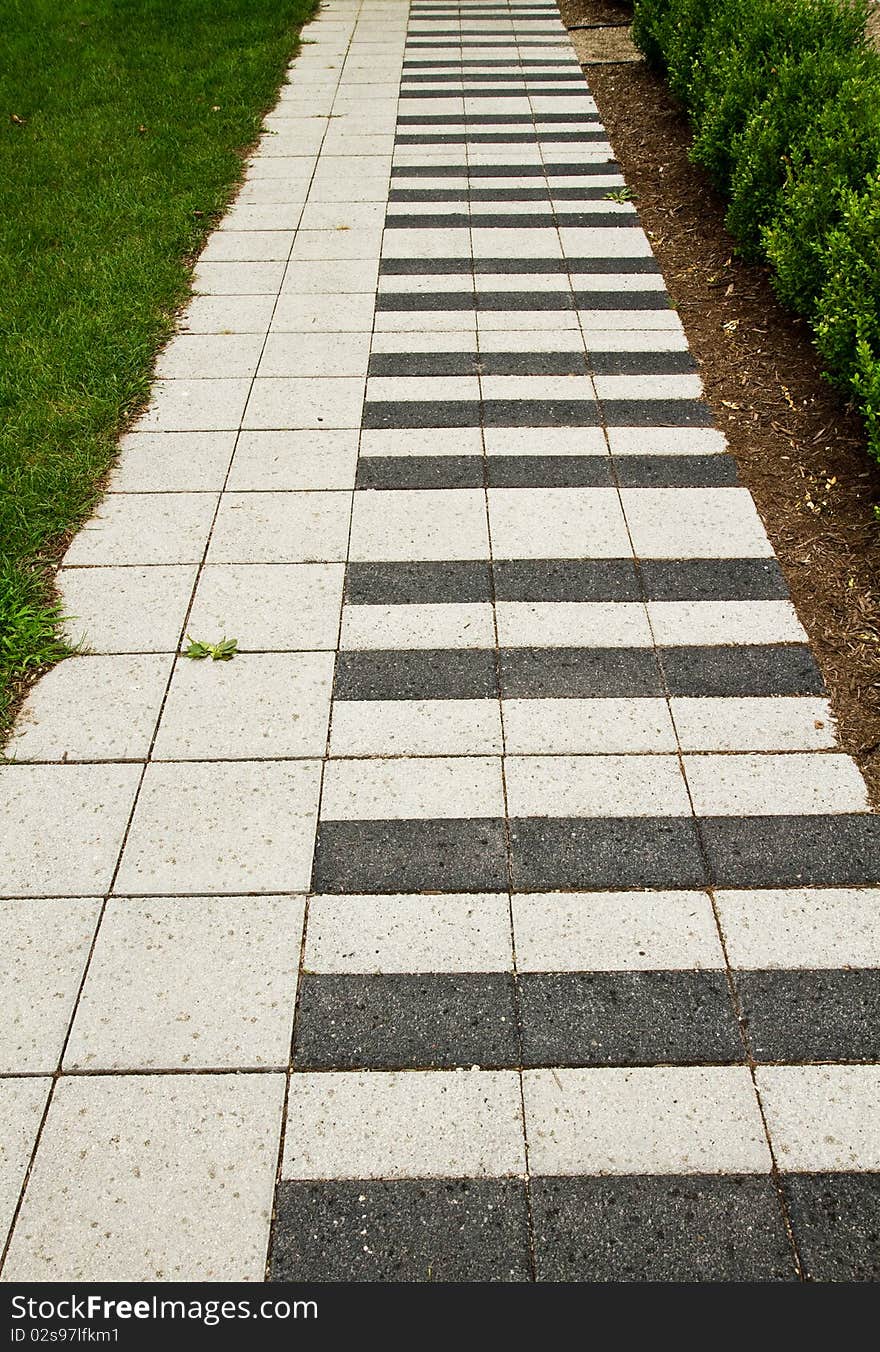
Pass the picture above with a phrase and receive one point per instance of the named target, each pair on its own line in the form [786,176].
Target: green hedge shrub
[777,127]
[837,157]
[784,99]
[848,323]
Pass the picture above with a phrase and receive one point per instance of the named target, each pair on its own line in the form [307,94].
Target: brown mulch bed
[800,450]
[594,13]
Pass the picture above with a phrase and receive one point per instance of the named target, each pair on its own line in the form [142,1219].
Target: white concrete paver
[460,1124]
[152,1178]
[240,826]
[692,1120]
[210,984]
[44,949]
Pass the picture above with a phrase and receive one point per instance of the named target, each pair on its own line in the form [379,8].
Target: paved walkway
[519,817]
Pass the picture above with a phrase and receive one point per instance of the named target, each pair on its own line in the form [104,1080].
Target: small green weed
[224,651]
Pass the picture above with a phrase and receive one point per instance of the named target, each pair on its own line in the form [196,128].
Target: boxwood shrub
[784,99]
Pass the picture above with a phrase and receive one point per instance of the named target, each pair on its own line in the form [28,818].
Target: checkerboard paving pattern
[506,909]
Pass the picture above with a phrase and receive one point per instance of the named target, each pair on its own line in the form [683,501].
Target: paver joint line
[505,909]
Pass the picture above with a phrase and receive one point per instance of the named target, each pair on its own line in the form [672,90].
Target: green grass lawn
[122,124]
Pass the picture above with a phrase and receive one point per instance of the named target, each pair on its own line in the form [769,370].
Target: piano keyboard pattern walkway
[525,742]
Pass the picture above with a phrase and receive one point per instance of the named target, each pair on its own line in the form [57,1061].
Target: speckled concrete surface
[504,910]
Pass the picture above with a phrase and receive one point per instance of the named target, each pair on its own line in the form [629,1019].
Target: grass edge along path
[124,125]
